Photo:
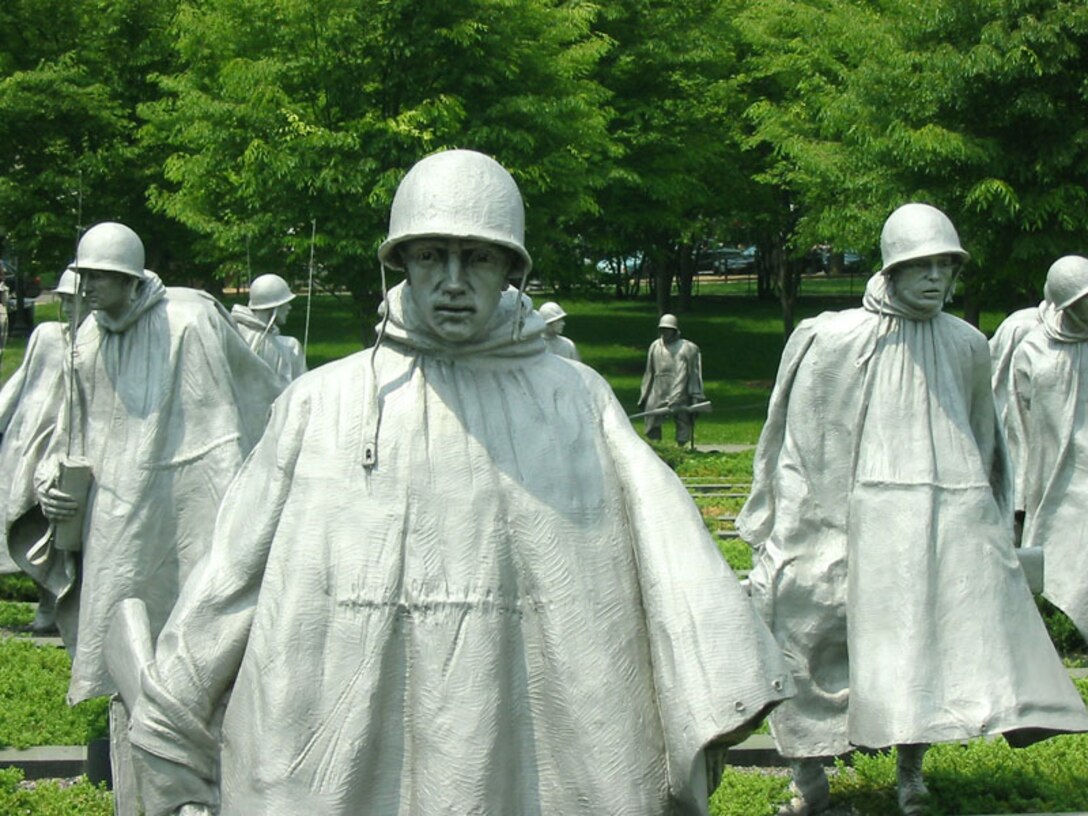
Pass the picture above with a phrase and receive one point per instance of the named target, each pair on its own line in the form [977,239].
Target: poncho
[881,525]
[1012,330]
[29,403]
[516,610]
[562,346]
[282,353]
[1050,387]
[169,400]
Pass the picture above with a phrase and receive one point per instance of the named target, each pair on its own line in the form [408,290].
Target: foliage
[291,112]
[33,686]
[866,105]
[71,76]
[50,798]
[17,587]
[1067,638]
[677,178]
[15,614]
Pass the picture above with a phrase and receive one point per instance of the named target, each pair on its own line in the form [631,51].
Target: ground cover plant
[51,797]
[33,710]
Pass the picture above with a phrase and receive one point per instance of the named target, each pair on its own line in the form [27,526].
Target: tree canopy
[225,130]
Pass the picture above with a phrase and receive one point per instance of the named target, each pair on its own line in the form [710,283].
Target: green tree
[287,113]
[71,76]
[977,107]
[678,179]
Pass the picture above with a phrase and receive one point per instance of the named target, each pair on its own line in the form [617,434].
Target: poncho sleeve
[756,520]
[987,429]
[715,664]
[200,649]
[1018,421]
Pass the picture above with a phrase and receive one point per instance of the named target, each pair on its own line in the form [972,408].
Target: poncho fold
[516,610]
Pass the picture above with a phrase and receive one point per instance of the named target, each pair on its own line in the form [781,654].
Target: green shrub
[1067,639]
[18,587]
[33,707]
[48,798]
[15,613]
[749,793]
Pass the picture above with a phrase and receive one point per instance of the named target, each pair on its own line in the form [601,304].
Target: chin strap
[522,307]
[371,407]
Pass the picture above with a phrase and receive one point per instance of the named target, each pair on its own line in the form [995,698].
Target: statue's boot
[913,794]
[45,619]
[811,792]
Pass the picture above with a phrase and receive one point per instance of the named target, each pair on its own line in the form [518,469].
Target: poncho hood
[880,299]
[245,316]
[1061,325]
[500,338]
[149,292]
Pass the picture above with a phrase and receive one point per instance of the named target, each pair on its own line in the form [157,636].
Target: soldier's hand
[56,504]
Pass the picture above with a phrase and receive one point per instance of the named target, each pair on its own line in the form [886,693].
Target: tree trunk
[787,275]
[661,276]
[685,274]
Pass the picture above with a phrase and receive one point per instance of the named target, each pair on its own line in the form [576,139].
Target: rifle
[703,407]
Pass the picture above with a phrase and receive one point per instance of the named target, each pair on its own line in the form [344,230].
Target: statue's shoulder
[183,303]
[48,335]
[833,326]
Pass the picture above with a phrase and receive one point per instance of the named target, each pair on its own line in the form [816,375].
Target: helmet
[268,292]
[551,312]
[918,231]
[68,283]
[668,321]
[457,194]
[111,247]
[1067,281]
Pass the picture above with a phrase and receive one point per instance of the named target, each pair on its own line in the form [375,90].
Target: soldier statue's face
[455,283]
[107,291]
[924,282]
[1079,309]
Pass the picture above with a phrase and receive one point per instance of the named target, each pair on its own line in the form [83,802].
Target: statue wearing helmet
[29,404]
[500,559]
[879,515]
[554,321]
[1048,435]
[166,401]
[672,382]
[260,322]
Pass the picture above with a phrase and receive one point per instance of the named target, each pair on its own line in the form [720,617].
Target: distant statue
[451,579]
[673,381]
[260,323]
[29,404]
[1048,427]
[880,516]
[554,321]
